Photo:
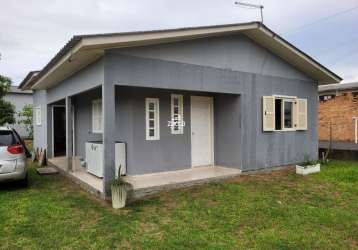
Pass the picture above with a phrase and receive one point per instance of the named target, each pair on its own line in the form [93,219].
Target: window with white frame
[152,118]
[284,113]
[37,115]
[177,120]
[97,120]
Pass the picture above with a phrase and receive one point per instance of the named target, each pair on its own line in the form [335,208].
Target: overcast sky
[32,32]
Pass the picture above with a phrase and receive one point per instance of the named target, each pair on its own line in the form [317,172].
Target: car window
[7,138]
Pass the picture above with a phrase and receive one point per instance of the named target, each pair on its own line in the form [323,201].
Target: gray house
[236,96]
[19,99]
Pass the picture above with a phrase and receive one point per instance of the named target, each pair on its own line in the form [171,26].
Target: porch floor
[147,184]
[71,167]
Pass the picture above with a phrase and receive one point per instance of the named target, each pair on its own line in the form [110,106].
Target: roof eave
[89,48]
[327,76]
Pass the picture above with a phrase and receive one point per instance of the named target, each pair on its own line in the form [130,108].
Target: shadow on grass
[12,186]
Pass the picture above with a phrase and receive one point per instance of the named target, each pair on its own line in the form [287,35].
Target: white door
[202,153]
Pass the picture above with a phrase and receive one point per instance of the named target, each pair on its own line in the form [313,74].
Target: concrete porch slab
[149,184]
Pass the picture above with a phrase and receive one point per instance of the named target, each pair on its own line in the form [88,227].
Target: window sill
[152,139]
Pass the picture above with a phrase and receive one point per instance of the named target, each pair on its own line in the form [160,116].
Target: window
[37,116]
[97,116]
[177,120]
[284,113]
[288,114]
[152,118]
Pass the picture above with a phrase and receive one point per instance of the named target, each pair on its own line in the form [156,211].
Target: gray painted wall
[40,132]
[19,100]
[227,127]
[83,120]
[258,149]
[171,152]
[86,79]
[235,52]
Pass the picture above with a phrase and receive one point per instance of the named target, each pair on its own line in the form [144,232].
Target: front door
[202,153]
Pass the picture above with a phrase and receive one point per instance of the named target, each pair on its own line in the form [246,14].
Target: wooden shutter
[268,113]
[301,114]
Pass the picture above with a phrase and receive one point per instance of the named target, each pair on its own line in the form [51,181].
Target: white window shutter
[301,114]
[268,113]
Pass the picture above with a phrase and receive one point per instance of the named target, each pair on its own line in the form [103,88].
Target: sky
[32,32]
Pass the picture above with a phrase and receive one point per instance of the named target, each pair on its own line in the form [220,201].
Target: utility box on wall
[94,158]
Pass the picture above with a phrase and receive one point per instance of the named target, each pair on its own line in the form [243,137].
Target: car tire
[24,182]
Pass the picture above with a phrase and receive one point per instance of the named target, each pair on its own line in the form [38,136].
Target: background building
[19,98]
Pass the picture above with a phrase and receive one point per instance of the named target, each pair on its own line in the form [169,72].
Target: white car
[12,157]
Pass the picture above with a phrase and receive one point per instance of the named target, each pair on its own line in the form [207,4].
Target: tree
[25,118]
[7,110]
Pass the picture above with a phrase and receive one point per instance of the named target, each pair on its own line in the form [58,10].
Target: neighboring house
[248,99]
[19,98]
[338,112]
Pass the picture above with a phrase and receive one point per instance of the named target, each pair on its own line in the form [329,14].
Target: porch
[146,184]
[84,129]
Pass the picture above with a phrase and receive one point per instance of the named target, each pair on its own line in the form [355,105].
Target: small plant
[119,189]
[307,162]
[118,180]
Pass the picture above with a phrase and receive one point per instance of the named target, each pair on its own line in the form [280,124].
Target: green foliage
[118,181]
[5,83]
[7,110]
[25,118]
[7,113]
[308,162]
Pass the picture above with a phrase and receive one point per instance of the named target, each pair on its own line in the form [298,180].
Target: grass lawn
[269,211]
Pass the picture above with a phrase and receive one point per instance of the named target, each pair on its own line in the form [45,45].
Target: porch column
[68,127]
[109,114]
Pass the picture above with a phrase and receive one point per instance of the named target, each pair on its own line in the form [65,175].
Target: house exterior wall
[171,152]
[83,120]
[41,131]
[234,52]
[233,69]
[19,100]
[227,130]
[256,149]
[338,112]
[88,78]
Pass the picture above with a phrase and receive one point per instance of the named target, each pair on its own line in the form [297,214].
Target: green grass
[269,211]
